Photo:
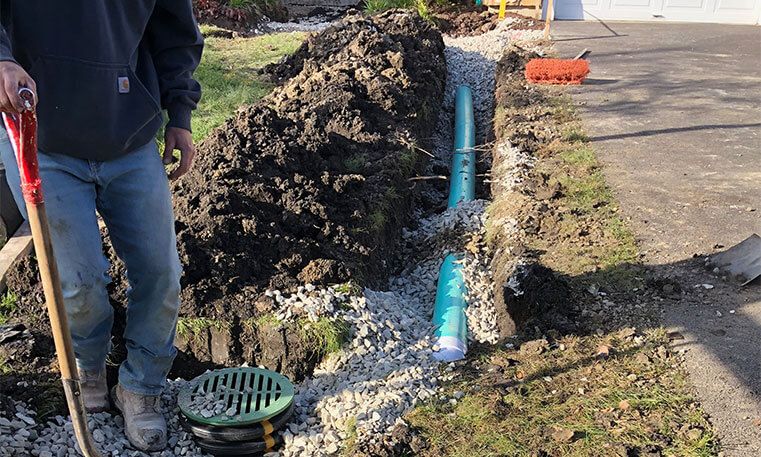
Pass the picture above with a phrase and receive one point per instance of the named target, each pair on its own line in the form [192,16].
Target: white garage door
[725,11]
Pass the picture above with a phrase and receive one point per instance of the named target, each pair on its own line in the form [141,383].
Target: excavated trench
[315,180]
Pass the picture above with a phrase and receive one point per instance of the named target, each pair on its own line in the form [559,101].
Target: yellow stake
[502,8]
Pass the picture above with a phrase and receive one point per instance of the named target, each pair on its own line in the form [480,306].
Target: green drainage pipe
[462,184]
[449,311]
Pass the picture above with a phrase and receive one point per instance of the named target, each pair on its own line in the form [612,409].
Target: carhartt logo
[123,85]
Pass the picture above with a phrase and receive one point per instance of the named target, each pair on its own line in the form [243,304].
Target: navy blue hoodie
[104,69]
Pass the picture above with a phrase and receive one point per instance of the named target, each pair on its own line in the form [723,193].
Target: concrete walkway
[674,111]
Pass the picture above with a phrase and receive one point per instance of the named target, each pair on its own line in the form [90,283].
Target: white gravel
[513,168]
[20,436]
[482,317]
[386,368]
[309,302]
[384,371]
[209,404]
[310,24]
[448,229]
[472,61]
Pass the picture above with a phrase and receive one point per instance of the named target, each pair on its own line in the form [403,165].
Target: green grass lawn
[228,75]
[567,401]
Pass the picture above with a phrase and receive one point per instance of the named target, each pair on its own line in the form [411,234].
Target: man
[103,71]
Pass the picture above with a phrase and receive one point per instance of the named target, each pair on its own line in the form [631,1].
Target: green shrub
[375,6]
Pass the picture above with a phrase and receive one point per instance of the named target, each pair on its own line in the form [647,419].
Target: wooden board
[528,8]
[19,245]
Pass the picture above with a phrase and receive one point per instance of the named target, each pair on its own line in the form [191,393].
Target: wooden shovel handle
[51,285]
[22,130]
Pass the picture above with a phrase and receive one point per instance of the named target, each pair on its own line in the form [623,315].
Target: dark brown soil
[402,441]
[470,20]
[307,186]
[7,408]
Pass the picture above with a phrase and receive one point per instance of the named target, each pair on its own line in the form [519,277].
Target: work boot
[94,389]
[144,424]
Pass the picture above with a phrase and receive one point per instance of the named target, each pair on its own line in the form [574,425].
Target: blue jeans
[132,196]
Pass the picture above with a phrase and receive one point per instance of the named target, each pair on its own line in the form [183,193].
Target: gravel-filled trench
[363,392]
[358,395]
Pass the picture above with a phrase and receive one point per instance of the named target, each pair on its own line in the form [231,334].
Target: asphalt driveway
[674,111]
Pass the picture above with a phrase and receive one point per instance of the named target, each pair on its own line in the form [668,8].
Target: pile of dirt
[470,20]
[307,186]
[310,184]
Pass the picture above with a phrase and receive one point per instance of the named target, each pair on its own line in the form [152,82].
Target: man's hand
[182,140]
[12,78]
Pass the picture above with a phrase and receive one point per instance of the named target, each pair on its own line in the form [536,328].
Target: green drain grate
[251,394]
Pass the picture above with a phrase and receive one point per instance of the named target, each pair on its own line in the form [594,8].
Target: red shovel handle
[22,130]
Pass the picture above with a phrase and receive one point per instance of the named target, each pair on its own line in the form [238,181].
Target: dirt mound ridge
[309,185]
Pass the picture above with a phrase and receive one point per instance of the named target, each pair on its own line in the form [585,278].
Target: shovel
[743,261]
[22,130]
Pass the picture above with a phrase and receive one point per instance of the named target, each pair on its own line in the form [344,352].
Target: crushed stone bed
[387,368]
[22,436]
[363,391]
[309,24]
[472,60]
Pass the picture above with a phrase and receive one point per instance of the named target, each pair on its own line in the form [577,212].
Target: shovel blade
[742,261]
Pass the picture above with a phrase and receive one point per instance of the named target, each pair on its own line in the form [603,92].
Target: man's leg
[69,194]
[135,202]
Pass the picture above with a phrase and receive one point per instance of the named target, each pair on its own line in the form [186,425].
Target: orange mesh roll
[556,71]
